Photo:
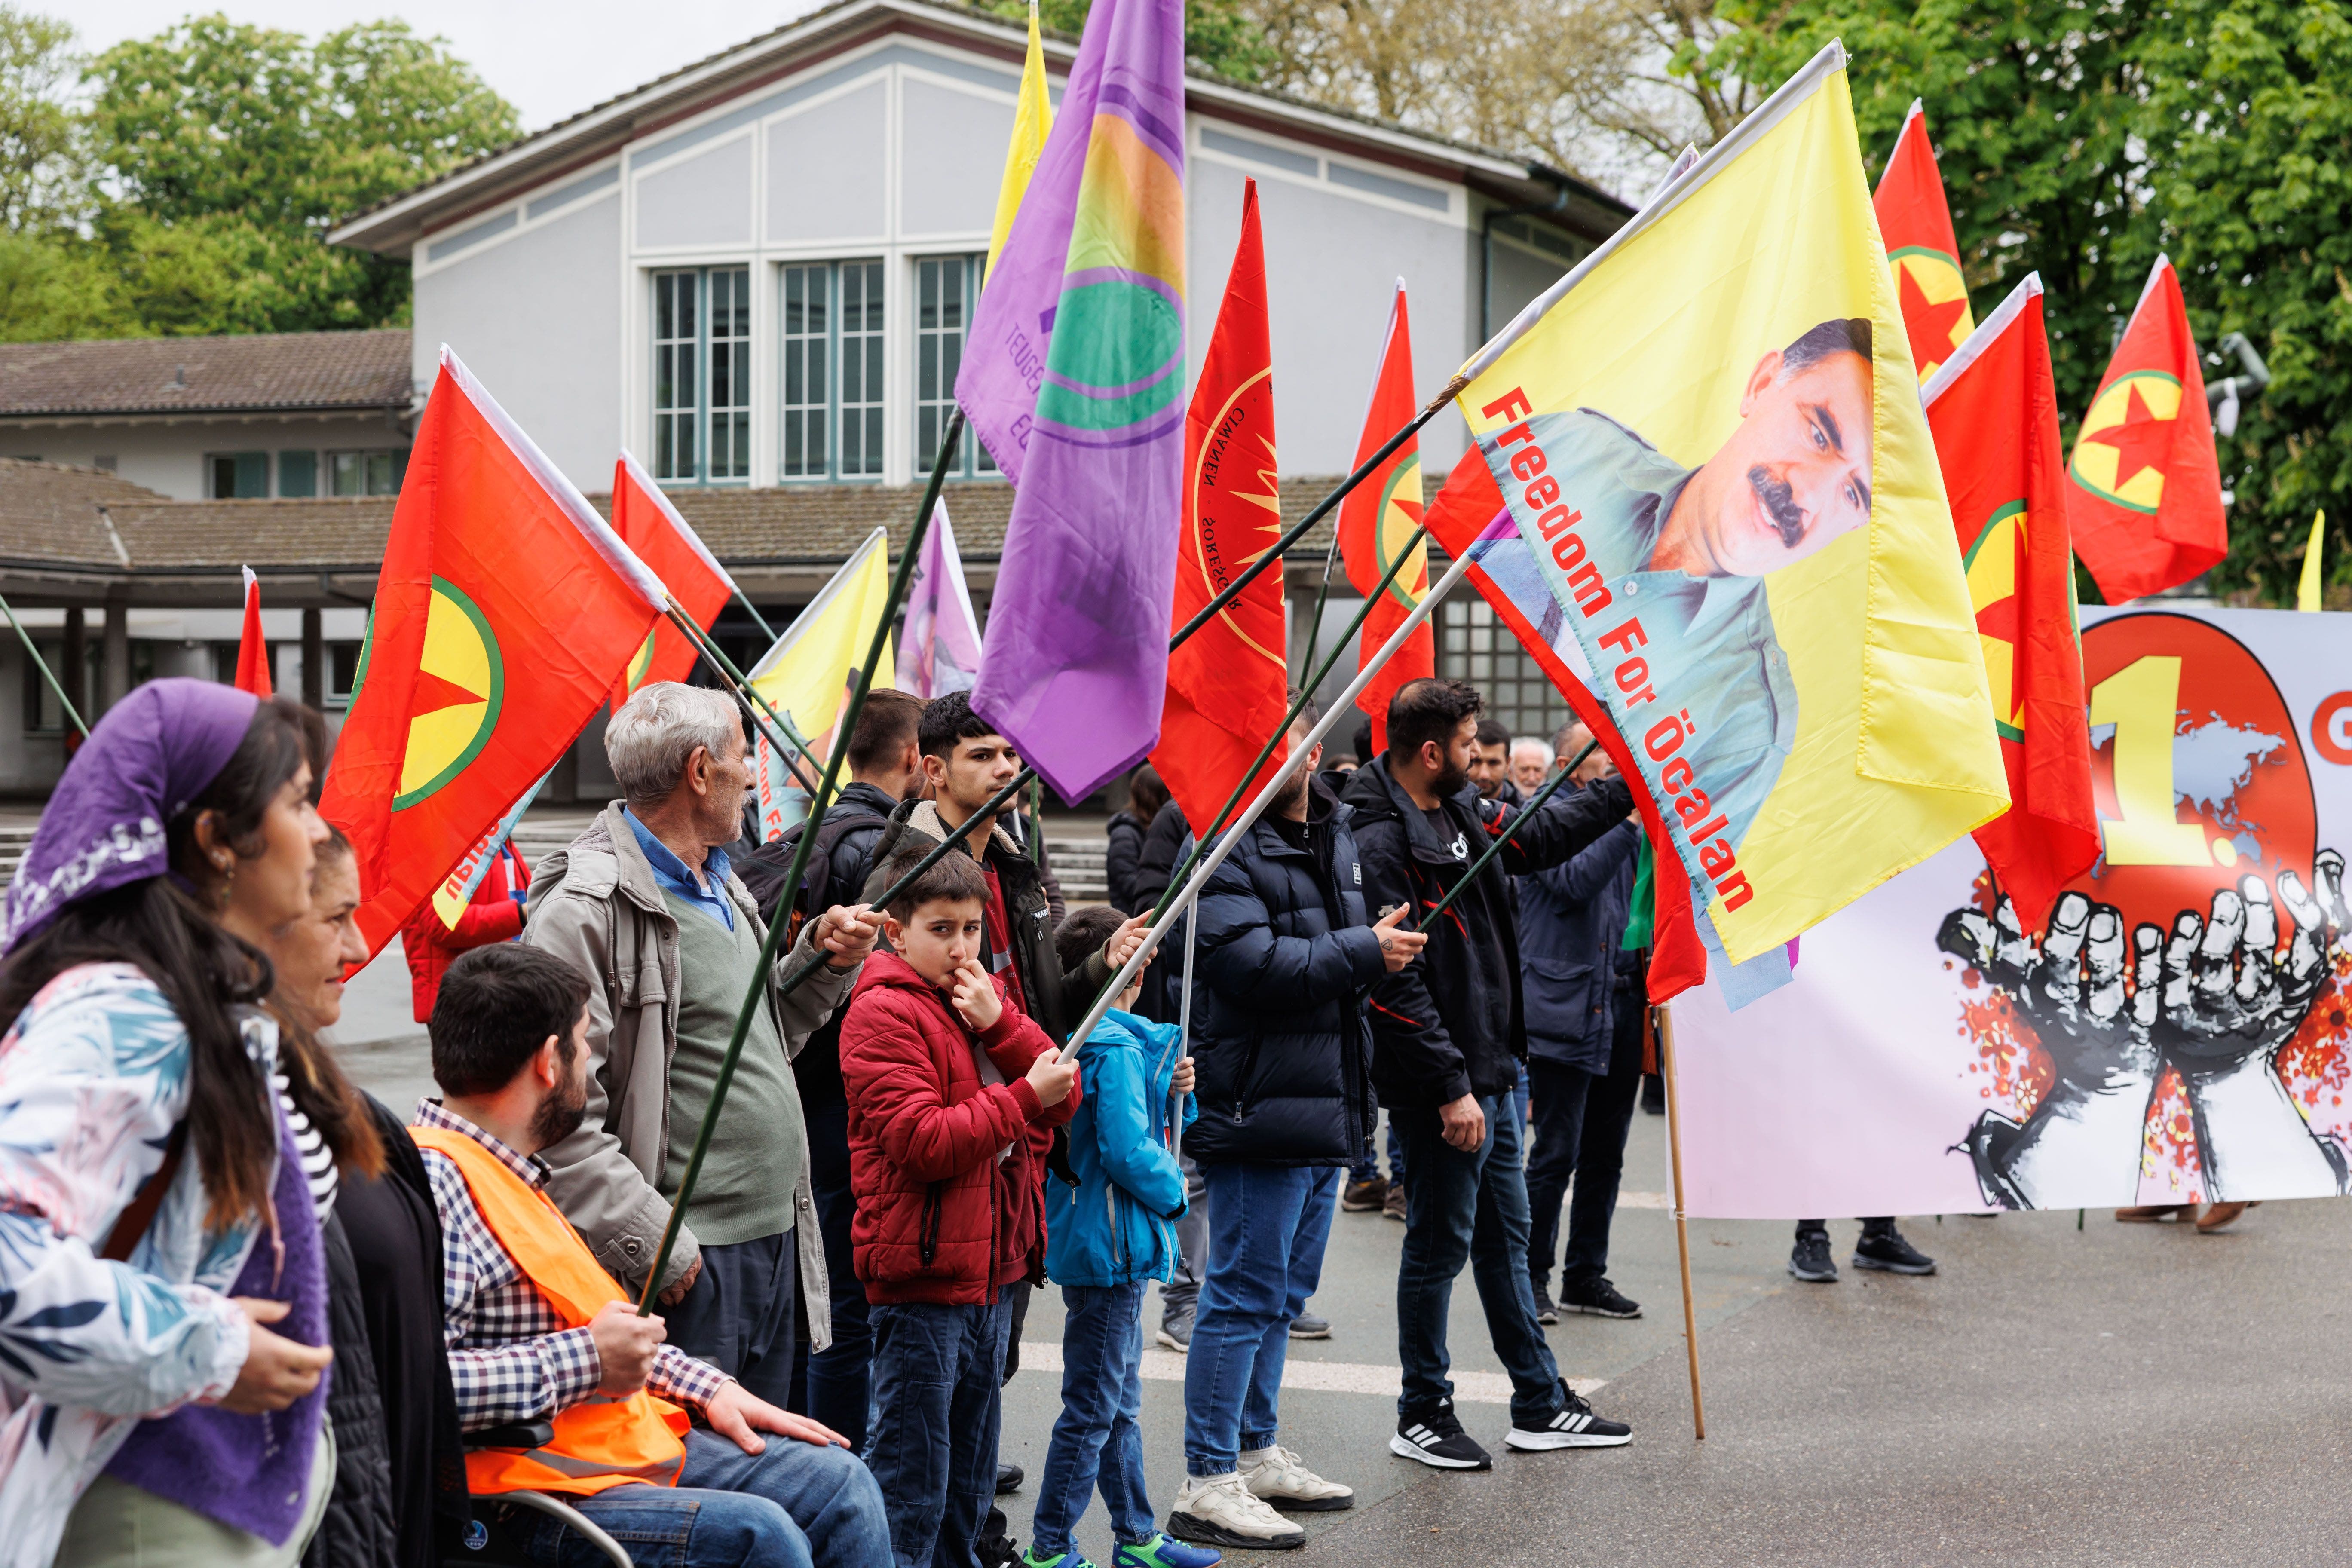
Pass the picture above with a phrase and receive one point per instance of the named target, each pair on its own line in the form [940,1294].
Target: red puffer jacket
[939,1217]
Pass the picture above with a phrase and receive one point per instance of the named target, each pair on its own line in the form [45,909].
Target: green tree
[43,150]
[1219,34]
[2082,139]
[232,150]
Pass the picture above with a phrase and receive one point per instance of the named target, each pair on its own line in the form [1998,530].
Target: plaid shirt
[508,1357]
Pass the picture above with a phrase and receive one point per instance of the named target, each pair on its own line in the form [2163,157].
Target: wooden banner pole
[1682,1224]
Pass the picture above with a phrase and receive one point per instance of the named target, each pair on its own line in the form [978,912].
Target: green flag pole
[818,805]
[1505,837]
[43,666]
[783,734]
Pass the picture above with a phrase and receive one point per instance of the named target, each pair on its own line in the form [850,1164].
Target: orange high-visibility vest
[600,1442]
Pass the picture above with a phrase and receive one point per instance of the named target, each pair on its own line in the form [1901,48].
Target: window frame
[834,343]
[1474,644]
[972,461]
[700,415]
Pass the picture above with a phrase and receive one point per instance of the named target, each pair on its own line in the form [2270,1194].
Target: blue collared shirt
[706,892]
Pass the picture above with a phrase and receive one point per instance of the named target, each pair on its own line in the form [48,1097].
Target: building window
[342,672]
[298,474]
[236,475]
[363,473]
[702,375]
[947,288]
[1474,645]
[831,340]
[42,713]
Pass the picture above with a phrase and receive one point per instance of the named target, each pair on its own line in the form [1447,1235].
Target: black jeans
[836,1384]
[1581,1120]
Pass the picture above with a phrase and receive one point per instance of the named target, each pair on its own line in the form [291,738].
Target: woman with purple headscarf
[163,1297]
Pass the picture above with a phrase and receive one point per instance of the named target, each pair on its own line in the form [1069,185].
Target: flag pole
[1183,1040]
[1541,795]
[1322,593]
[764,970]
[43,666]
[1171,908]
[1305,695]
[1292,534]
[787,734]
[1681,1222]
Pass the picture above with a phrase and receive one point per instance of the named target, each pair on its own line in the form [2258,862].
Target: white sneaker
[1276,1475]
[1221,1510]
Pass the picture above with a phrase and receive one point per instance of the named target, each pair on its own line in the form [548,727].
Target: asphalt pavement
[2110,1394]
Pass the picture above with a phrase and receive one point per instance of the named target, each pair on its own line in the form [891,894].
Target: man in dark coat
[1447,1034]
[1287,955]
[1584,1006]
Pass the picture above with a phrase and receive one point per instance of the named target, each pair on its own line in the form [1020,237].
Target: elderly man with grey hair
[645,905]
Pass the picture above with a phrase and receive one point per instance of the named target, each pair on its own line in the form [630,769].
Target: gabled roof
[391,225]
[286,372]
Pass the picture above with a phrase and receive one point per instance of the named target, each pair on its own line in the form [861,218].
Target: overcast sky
[549,60]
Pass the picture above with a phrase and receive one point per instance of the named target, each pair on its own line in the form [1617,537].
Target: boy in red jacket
[952,1093]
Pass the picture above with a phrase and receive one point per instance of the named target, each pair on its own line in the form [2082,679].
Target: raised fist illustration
[2214,998]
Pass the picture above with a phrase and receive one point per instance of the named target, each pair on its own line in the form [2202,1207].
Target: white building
[755,273]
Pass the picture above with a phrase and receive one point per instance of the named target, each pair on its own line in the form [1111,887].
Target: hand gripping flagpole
[757,990]
[1257,808]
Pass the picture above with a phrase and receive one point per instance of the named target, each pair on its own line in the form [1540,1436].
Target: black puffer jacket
[1450,1023]
[1286,954]
[1164,844]
[359,1529]
[1121,859]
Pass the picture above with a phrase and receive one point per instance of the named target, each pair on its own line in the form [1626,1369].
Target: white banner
[2179,1032]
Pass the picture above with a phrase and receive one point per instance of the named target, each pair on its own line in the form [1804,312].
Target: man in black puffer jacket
[1447,1038]
[1287,955]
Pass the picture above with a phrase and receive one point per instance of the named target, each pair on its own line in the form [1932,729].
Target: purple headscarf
[154,752]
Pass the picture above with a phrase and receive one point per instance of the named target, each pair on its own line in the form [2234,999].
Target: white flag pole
[1256,807]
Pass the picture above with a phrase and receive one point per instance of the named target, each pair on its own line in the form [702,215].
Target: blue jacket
[1118,1225]
[1286,960]
[1571,918]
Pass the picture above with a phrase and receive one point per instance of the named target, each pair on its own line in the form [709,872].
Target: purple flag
[938,651]
[1088,421]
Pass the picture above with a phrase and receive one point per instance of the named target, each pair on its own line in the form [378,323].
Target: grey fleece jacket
[598,905]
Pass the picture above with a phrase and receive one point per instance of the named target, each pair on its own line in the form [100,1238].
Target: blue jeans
[1368,1168]
[791,1506]
[1097,1440]
[739,1316]
[930,1436]
[1267,1227]
[1469,1208]
[835,1385]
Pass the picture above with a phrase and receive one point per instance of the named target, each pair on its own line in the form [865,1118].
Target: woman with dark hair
[1145,796]
[163,1286]
[400,1482]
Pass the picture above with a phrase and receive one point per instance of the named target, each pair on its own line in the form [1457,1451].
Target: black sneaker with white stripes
[1571,1424]
[1433,1435]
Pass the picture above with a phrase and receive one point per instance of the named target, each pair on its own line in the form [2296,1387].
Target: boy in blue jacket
[1106,1236]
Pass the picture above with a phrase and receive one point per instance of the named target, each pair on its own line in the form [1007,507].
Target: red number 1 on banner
[2142,701]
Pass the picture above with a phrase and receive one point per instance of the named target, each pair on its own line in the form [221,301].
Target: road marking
[1645,1201]
[1163,1365]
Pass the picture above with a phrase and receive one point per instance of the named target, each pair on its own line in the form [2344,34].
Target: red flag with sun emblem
[1378,519]
[1228,684]
[1993,409]
[1917,225]
[655,533]
[2146,508]
[504,612]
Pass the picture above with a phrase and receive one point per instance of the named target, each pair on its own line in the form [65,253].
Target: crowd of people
[249,1315]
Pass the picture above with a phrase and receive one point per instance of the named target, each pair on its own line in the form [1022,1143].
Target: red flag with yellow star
[1228,684]
[2147,510]
[673,552]
[1917,225]
[1377,520]
[504,612]
[1993,409]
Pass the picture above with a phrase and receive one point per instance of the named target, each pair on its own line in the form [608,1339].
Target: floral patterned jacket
[93,1077]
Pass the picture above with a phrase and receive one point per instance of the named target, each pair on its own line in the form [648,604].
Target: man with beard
[645,904]
[1687,552]
[1447,1038]
[1287,953]
[539,1331]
